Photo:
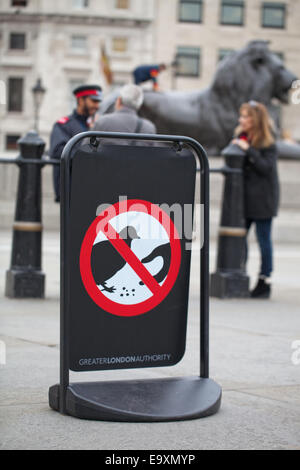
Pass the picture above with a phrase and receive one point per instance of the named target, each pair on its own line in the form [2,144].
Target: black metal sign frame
[209,393]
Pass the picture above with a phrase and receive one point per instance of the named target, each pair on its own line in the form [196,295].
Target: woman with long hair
[255,136]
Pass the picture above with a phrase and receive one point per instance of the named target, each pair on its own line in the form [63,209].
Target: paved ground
[251,357]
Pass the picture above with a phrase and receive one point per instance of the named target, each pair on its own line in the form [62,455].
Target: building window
[79,44]
[122,4]
[11,141]
[273,15]
[17,41]
[188,61]
[232,12]
[223,53]
[15,94]
[80,3]
[19,3]
[190,11]
[119,44]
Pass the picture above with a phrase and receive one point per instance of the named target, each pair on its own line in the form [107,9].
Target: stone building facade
[202,32]
[60,43]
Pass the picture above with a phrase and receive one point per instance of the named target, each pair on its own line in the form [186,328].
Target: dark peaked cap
[93,91]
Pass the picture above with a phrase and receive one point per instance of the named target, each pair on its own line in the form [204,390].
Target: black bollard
[25,278]
[230,278]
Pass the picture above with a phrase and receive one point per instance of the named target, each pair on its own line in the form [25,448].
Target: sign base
[149,400]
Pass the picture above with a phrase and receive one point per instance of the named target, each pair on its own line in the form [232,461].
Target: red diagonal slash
[128,255]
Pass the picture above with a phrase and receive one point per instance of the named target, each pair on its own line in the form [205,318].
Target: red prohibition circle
[100,223]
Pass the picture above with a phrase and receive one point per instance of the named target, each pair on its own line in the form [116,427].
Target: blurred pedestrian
[88,99]
[255,137]
[144,73]
[125,117]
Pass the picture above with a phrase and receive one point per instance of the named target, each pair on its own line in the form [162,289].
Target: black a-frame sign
[126,231]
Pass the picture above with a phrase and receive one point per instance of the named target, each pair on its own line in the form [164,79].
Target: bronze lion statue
[210,116]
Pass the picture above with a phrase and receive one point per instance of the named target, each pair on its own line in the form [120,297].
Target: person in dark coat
[88,98]
[255,137]
[144,73]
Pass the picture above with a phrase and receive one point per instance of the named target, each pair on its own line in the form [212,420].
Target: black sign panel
[129,256]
